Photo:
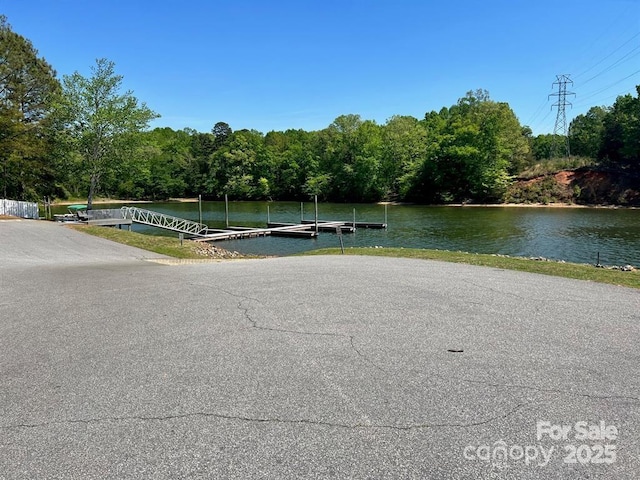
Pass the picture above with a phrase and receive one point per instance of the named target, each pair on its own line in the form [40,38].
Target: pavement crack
[265,420]
[363,356]
[254,324]
[547,390]
[500,292]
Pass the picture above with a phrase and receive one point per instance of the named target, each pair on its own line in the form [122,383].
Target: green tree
[518,165]
[221,132]
[162,166]
[200,179]
[542,145]
[586,132]
[470,149]
[621,137]
[241,167]
[28,91]
[350,155]
[103,122]
[404,149]
[292,157]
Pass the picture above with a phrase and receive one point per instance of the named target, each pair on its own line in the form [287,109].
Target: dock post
[226,209]
[200,209]
[385,214]
[316,204]
[268,216]
[354,219]
[301,212]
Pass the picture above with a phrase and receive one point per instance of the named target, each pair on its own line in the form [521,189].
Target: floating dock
[322,226]
[353,224]
[201,232]
[236,233]
[305,229]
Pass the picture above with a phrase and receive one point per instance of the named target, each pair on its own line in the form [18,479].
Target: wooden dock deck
[306,229]
[236,233]
[110,222]
[322,227]
[357,224]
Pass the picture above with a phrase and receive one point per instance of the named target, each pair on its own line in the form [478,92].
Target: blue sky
[274,65]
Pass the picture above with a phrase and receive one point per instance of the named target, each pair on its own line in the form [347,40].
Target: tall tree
[28,89]
[586,132]
[404,151]
[351,152]
[542,145]
[621,137]
[470,149]
[221,132]
[239,168]
[102,121]
[291,154]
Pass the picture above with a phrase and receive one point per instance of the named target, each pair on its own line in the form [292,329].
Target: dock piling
[226,209]
[316,204]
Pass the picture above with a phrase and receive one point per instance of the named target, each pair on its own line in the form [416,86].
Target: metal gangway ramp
[161,220]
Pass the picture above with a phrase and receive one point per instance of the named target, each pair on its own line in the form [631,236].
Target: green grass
[163,245]
[554,165]
[172,248]
[567,270]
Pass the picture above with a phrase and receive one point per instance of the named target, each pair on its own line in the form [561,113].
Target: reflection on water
[571,234]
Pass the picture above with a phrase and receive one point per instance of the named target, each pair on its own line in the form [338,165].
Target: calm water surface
[571,234]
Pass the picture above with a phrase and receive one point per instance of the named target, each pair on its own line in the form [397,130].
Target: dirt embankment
[583,186]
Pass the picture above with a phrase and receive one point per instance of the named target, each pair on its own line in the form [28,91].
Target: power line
[560,127]
[588,49]
[598,101]
[604,89]
[617,62]
[625,55]
[538,111]
[541,122]
[606,58]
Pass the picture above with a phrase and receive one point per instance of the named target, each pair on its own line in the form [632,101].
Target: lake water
[571,234]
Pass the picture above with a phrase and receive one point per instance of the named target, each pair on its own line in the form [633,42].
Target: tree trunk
[92,191]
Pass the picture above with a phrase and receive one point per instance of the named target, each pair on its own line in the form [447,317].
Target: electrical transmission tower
[560,128]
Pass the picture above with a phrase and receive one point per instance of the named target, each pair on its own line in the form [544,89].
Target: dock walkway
[201,232]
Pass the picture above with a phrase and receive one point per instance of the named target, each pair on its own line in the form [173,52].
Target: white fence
[19,209]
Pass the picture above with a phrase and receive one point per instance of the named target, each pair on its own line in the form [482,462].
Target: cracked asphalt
[116,366]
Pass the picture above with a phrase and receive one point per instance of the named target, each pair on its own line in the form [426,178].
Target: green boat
[77,213]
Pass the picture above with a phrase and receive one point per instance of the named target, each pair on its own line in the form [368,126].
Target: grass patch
[157,244]
[554,165]
[172,248]
[567,270]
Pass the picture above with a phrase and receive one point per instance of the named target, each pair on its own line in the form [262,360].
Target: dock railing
[162,220]
[108,217]
[105,213]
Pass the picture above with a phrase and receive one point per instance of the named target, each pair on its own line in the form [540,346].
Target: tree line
[85,135]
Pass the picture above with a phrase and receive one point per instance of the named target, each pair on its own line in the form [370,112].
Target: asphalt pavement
[116,365]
